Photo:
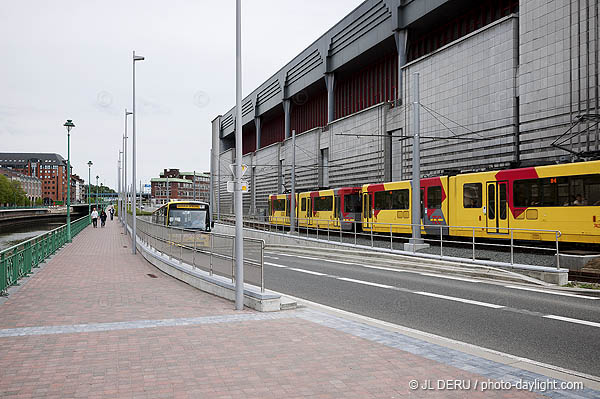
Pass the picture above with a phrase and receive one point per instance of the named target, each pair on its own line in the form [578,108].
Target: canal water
[12,234]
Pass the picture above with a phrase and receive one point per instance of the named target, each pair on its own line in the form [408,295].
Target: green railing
[19,260]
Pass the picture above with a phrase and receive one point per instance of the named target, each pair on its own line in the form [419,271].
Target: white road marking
[365,282]
[306,271]
[271,257]
[570,320]
[451,298]
[516,287]
[389,269]
[276,265]
[469,280]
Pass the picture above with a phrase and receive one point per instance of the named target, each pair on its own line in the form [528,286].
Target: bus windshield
[188,219]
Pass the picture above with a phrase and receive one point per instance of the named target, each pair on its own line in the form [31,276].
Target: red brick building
[51,169]
[173,185]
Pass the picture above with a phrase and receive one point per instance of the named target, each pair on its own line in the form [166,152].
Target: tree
[5,190]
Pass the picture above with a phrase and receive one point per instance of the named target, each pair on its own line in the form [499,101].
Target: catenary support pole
[239,235]
[293,202]
[416,167]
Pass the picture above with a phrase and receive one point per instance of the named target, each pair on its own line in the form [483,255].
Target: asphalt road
[561,330]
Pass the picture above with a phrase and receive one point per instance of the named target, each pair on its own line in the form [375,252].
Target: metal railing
[18,261]
[207,251]
[387,236]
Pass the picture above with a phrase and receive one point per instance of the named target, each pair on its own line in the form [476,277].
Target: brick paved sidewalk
[93,324]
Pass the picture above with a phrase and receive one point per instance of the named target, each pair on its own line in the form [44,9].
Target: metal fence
[211,252]
[471,245]
[18,261]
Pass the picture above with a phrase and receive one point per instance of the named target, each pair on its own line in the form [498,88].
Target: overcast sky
[72,60]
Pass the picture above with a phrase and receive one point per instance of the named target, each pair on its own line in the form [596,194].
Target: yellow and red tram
[533,202]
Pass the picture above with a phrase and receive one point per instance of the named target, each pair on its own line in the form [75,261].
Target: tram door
[497,207]
[308,211]
[367,210]
[336,211]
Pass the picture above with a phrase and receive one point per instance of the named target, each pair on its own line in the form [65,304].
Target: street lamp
[89,190]
[133,233]
[127,113]
[69,125]
[97,177]
[119,184]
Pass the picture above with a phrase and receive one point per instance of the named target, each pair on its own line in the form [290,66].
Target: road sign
[232,168]
[231,186]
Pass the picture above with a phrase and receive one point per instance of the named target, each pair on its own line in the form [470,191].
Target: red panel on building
[249,138]
[479,16]
[308,111]
[368,86]
[272,131]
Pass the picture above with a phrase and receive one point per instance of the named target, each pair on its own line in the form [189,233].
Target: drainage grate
[124,246]
[152,275]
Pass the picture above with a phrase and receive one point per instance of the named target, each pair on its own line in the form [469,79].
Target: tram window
[526,193]
[502,201]
[434,197]
[400,199]
[383,200]
[472,195]
[558,191]
[278,205]
[491,201]
[323,203]
[391,199]
[352,203]
[584,190]
[303,204]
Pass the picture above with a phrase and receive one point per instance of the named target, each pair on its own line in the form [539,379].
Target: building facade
[31,185]
[502,83]
[173,185]
[51,169]
[78,187]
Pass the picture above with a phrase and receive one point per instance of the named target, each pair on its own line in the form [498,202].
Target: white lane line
[451,298]
[271,257]
[570,320]
[365,282]
[276,265]
[306,271]
[469,280]
[389,269]
[516,287]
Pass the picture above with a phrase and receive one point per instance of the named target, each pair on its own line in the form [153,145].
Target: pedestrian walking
[102,218]
[95,217]
[112,213]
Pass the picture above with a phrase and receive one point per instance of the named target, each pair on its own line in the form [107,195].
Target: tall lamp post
[127,113]
[97,177]
[133,233]
[239,210]
[69,125]
[89,190]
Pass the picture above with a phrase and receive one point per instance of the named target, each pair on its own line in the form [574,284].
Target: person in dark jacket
[102,218]
[112,212]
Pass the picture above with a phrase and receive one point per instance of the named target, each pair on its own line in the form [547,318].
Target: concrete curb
[216,285]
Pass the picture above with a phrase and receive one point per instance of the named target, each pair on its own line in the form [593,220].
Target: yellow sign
[190,206]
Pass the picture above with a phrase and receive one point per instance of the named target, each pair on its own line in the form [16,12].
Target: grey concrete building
[503,83]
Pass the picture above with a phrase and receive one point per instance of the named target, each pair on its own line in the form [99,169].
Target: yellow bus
[192,215]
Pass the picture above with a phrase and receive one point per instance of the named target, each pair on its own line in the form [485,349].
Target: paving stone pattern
[92,324]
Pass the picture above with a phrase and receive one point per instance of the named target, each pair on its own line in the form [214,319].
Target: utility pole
[416,242]
[293,204]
